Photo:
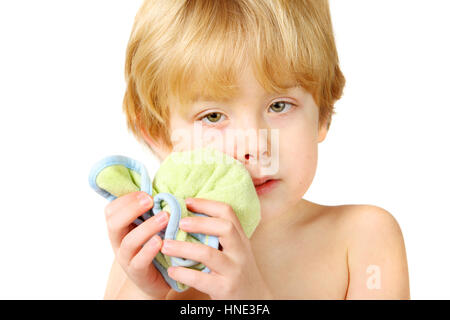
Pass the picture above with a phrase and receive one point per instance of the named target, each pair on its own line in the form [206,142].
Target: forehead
[256,92]
[240,84]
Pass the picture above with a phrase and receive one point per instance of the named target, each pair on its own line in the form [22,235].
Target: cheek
[299,158]
[179,134]
[180,138]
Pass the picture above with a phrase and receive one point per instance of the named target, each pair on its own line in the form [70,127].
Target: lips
[266,185]
[260,181]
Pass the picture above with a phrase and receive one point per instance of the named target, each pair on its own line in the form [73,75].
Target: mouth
[260,181]
[264,185]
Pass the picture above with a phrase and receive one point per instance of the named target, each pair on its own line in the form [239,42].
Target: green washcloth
[201,173]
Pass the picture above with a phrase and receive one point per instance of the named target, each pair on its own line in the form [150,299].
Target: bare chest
[300,269]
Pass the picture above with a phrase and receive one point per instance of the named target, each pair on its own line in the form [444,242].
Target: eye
[280,106]
[212,117]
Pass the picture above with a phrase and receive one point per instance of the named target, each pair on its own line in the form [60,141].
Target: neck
[283,222]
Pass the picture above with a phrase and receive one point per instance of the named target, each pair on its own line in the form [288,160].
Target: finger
[229,237]
[122,211]
[202,281]
[142,271]
[216,209]
[214,259]
[141,262]
[122,203]
[137,237]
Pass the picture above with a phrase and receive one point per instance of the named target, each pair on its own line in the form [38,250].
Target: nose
[254,154]
[253,143]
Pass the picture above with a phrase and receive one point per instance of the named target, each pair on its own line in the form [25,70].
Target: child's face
[296,144]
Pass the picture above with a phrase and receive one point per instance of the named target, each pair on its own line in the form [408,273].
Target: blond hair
[179,49]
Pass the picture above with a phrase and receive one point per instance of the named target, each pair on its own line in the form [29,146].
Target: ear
[160,150]
[323,130]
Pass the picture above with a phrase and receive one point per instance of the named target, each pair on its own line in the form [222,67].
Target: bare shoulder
[364,226]
[354,219]
[365,219]
[376,253]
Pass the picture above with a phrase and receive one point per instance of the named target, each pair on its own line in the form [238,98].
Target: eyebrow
[207,98]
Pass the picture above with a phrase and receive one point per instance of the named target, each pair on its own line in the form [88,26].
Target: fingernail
[185,222]
[144,199]
[167,245]
[161,216]
[154,240]
[188,200]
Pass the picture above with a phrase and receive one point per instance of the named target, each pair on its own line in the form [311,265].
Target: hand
[234,272]
[130,243]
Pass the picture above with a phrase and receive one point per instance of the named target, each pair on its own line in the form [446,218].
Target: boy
[253,65]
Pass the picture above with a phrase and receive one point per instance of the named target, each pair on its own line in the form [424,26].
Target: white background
[62,83]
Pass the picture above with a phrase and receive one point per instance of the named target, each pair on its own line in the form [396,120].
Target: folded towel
[201,173]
